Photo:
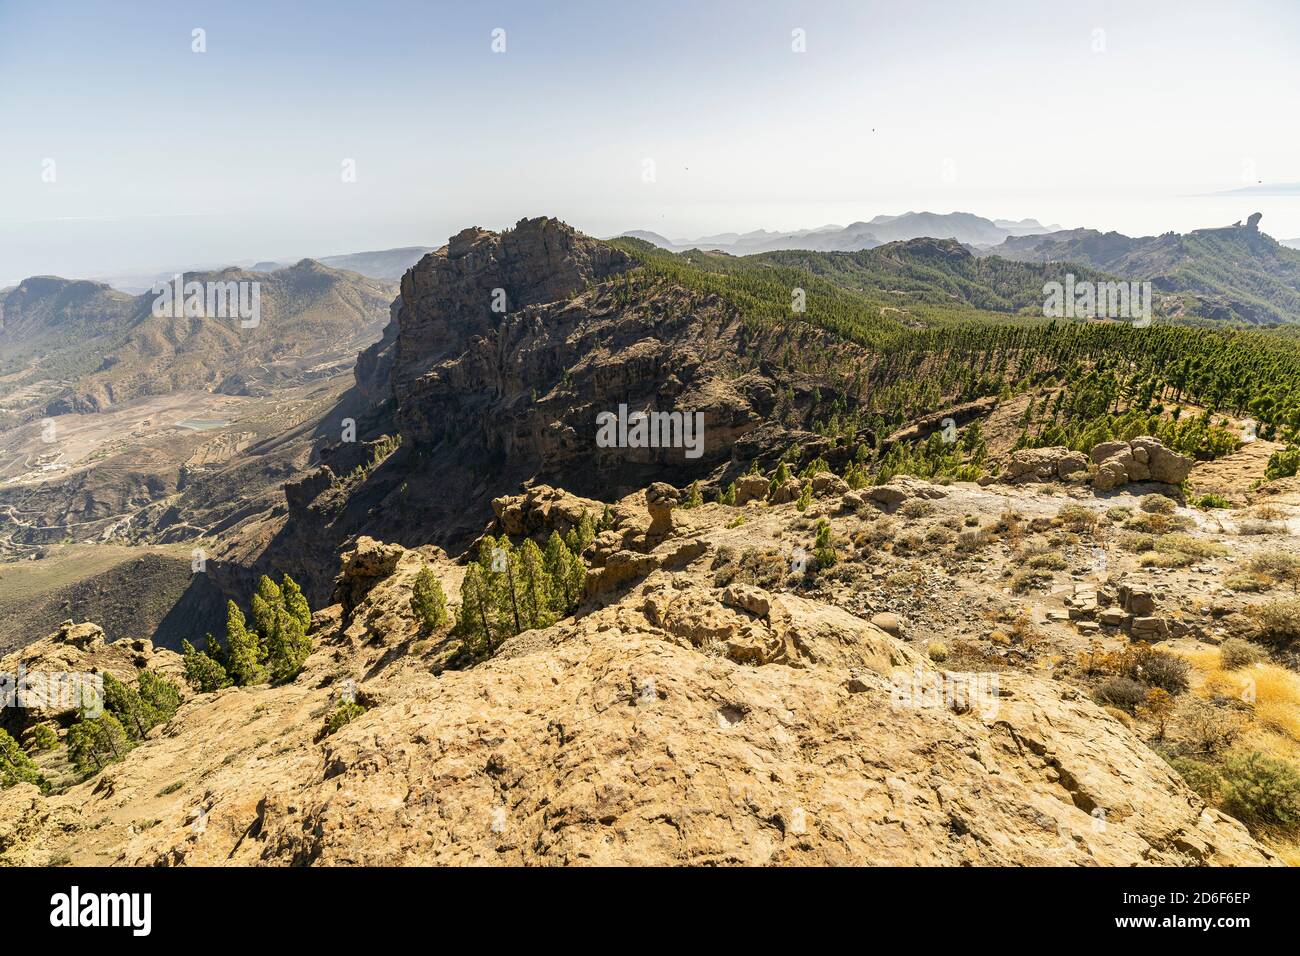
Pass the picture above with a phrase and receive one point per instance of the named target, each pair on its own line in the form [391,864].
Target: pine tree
[16,766]
[95,742]
[212,647]
[266,601]
[428,601]
[824,546]
[159,694]
[295,602]
[581,535]
[576,580]
[497,559]
[535,587]
[557,560]
[606,520]
[287,647]
[124,703]
[473,622]
[203,673]
[693,496]
[243,649]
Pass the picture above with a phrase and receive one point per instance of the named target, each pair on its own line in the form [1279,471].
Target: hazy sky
[166,157]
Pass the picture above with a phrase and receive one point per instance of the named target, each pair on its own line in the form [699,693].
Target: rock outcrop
[681,723]
[1045,464]
[1142,459]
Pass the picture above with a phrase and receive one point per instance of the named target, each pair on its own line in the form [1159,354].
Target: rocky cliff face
[503,351]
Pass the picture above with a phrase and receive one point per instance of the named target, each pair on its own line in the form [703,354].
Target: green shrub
[428,600]
[824,547]
[1261,791]
[346,712]
[1283,463]
[1208,501]
[44,737]
[15,766]
[1201,777]
[202,672]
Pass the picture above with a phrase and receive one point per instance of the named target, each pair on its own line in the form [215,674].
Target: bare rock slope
[674,721]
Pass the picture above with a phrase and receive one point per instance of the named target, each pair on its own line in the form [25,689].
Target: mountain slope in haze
[1234,273]
[383,264]
[81,346]
[964,227]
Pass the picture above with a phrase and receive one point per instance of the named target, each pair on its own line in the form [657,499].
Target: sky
[123,148]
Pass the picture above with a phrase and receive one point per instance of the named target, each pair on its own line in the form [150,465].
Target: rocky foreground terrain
[705,705]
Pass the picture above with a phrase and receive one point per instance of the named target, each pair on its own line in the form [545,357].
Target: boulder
[750,488]
[660,499]
[1142,459]
[899,489]
[789,490]
[888,623]
[827,483]
[1044,464]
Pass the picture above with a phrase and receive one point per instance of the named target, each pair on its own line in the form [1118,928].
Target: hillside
[1235,273]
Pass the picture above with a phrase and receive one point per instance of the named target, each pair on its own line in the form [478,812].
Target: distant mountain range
[75,346]
[385,264]
[964,227]
[380,264]
[1234,273]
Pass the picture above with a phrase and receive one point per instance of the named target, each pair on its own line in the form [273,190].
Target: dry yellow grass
[1275,726]
[1276,691]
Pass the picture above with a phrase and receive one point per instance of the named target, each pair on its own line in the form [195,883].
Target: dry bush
[916,508]
[973,539]
[1243,581]
[1141,662]
[1159,523]
[1276,566]
[1027,579]
[1254,527]
[939,536]
[1179,550]
[1122,693]
[1136,543]
[1234,653]
[1077,518]
[1278,621]
[909,542]
[1202,727]
[1157,504]
[1268,512]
